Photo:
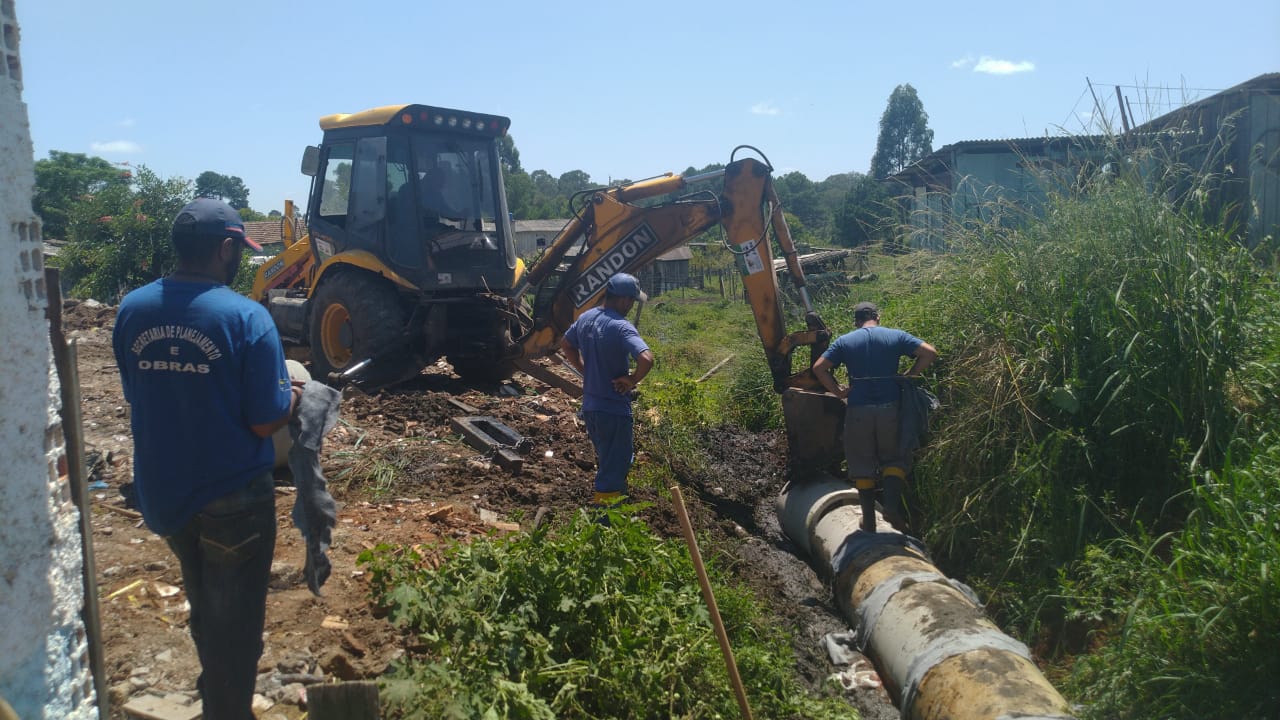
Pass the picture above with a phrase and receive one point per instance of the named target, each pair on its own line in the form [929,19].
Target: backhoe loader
[409,257]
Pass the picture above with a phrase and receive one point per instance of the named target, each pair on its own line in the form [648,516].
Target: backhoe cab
[409,254]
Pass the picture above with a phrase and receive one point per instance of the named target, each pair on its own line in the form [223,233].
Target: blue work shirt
[200,364]
[870,355]
[607,343]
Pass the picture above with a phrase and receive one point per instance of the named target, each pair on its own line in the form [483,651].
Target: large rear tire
[356,316]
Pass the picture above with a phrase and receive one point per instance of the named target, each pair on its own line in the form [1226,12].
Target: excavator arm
[616,234]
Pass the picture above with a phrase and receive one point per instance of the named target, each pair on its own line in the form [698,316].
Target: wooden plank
[539,372]
[468,409]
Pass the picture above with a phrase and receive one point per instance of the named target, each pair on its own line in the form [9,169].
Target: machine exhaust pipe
[937,653]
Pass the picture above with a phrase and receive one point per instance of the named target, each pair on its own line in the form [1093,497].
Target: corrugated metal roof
[269,231]
[934,161]
[681,253]
[1266,83]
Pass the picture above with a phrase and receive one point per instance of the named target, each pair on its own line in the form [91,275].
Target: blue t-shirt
[200,364]
[870,355]
[607,342]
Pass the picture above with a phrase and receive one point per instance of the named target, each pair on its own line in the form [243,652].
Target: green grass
[578,620]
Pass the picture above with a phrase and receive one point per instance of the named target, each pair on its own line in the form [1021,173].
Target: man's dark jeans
[614,441]
[225,552]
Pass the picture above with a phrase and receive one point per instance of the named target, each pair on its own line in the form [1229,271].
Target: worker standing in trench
[204,373]
[873,453]
[601,344]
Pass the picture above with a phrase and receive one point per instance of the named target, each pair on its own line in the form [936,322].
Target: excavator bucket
[815,432]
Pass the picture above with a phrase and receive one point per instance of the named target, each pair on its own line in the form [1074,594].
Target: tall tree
[64,179]
[228,188]
[905,136]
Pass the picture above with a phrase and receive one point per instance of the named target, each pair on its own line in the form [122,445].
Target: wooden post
[687,527]
[64,360]
[343,701]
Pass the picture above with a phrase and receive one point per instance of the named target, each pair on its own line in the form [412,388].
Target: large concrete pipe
[938,655]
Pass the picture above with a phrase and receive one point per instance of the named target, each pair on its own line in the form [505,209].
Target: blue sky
[615,89]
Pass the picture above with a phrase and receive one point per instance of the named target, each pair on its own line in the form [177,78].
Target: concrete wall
[43,651]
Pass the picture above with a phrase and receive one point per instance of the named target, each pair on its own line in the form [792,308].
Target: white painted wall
[43,652]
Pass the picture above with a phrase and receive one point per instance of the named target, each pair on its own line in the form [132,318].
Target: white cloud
[962,63]
[127,122]
[118,147]
[995,66]
[765,108]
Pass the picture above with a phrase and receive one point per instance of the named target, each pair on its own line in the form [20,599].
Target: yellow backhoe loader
[408,257]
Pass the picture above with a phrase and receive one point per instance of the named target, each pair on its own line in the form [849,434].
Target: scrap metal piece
[488,435]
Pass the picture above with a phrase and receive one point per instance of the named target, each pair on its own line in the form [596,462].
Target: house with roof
[1232,137]
[531,236]
[979,179]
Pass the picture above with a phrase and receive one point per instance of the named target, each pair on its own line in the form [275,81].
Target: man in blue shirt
[601,344]
[870,355]
[204,373]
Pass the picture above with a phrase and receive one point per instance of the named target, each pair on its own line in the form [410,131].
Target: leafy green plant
[118,236]
[579,620]
[1195,635]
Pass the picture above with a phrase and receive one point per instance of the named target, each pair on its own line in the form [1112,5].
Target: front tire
[487,370]
[356,316]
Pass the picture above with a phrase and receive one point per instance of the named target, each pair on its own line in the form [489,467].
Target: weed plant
[577,620]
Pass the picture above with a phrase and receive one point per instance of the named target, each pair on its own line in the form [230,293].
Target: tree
[118,238]
[799,195]
[509,155]
[544,183]
[248,214]
[230,189]
[63,179]
[574,181]
[520,195]
[905,136]
[867,214]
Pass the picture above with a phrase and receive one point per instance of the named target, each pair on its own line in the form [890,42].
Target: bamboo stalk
[687,527]
[713,370]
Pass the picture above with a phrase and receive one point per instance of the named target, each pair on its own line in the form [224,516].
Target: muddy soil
[444,490]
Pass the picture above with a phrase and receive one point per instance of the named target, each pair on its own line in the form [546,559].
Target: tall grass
[1102,469]
[1194,634]
[1093,362]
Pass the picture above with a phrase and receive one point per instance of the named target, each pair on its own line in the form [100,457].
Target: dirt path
[443,490]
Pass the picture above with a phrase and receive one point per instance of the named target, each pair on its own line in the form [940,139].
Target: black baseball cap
[209,218]
[865,310]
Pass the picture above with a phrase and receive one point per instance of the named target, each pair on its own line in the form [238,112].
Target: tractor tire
[486,370]
[356,316]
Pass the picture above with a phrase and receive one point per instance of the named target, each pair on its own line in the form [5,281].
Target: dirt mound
[86,314]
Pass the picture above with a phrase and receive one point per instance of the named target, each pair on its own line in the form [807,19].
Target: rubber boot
[866,488]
